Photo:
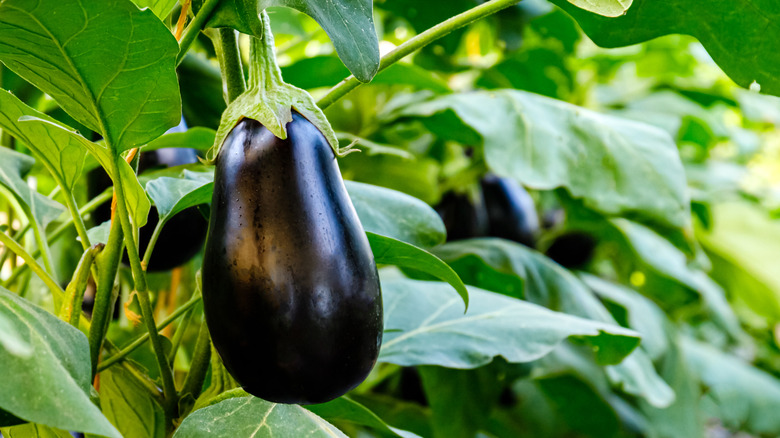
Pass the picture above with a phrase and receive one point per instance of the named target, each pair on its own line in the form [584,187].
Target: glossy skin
[290,288]
[462,217]
[182,237]
[510,209]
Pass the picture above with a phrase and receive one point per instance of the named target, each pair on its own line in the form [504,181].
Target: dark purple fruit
[572,250]
[510,210]
[290,287]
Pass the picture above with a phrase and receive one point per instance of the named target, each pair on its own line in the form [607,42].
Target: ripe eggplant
[290,287]
[463,217]
[183,234]
[510,210]
[572,250]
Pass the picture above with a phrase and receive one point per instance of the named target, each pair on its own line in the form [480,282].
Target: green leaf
[161,8]
[199,138]
[616,166]
[517,270]
[344,409]
[745,397]
[395,214]
[391,251]
[251,416]
[129,406]
[572,398]
[34,431]
[62,155]
[172,195]
[13,167]
[663,258]
[51,386]
[641,314]
[99,233]
[350,26]
[137,202]
[424,326]
[733,32]
[12,340]
[108,64]
[743,245]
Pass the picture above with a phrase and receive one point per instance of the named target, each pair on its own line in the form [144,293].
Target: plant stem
[200,363]
[81,230]
[71,308]
[179,335]
[196,25]
[416,43]
[102,309]
[152,243]
[43,247]
[226,45]
[143,338]
[139,278]
[17,249]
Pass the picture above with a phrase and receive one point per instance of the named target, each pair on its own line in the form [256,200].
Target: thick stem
[196,25]
[17,249]
[71,309]
[264,71]
[139,279]
[229,56]
[124,352]
[416,43]
[103,309]
[200,363]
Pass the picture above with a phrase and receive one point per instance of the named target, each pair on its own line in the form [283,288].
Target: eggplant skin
[290,287]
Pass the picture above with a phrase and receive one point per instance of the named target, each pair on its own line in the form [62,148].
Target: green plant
[652,151]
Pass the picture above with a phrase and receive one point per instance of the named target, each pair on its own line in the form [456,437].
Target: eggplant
[290,287]
[510,210]
[463,217]
[572,250]
[183,235]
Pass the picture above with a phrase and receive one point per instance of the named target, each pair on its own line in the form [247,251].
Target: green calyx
[269,99]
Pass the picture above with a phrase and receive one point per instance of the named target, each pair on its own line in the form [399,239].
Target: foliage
[628,122]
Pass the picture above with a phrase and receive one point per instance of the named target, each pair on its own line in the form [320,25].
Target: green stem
[196,25]
[179,335]
[226,45]
[152,243]
[43,247]
[60,230]
[139,278]
[143,338]
[108,264]
[17,249]
[200,363]
[71,309]
[416,43]
[75,214]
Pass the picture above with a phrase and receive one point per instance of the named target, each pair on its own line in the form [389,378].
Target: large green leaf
[391,251]
[745,397]
[51,385]
[13,167]
[34,431]
[161,8]
[62,155]
[172,195]
[425,325]
[254,417]
[395,214]
[516,270]
[738,34]
[110,65]
[130,406]
[744,244]
[344,409]
[616,166]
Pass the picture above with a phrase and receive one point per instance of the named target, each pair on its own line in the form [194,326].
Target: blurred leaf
[13,167]
[201,91]
[580,406]
[391,251]
[161,8]
[744,244]
[250,416]
[50,386]
[195,138]
[62,155]
[417,177]
[409,416]
[616,166]
[346,410]
[34,431]
[641,314]
[172,195]
[746,397]
[99,233]
[124,87]
[394,214]
[129,406]
[731,31]
[425,326]
[12,340]
[520,271]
